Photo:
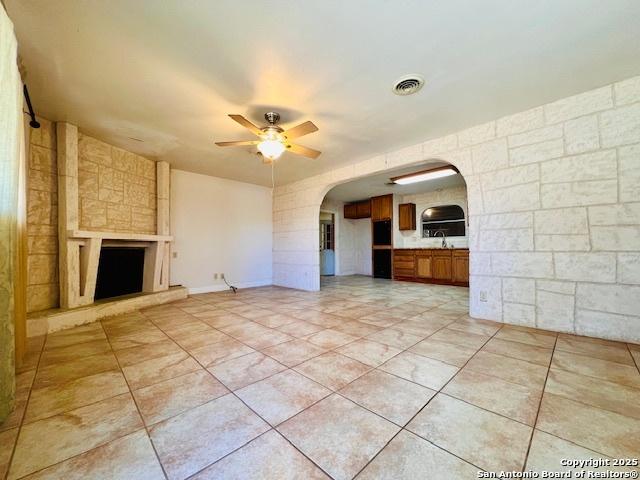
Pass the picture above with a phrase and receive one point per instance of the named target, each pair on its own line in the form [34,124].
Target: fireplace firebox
[120,271]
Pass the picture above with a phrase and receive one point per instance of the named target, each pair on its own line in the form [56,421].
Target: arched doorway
[297,206]
[426,215]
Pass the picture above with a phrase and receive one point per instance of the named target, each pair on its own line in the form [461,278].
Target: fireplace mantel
[130,237]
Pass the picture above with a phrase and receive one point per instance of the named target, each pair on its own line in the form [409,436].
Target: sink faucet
[444,238]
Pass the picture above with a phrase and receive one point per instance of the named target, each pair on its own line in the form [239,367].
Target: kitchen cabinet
[351,211]
[423,264]
[441,263]
[460,266]
[407,216]
[358,210]
[363,209]
[432,265]
[381,208]
[403,264]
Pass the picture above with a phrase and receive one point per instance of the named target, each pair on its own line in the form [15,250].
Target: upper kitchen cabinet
[363,209]
[407,216]
[381,208]
[358,210]
[351,211]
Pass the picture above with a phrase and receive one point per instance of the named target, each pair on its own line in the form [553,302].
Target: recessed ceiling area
[159,78]
[378,184]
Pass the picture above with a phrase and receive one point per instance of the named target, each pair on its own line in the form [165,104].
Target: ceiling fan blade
[300,150]
[247,124]
[238,143]
[300,130]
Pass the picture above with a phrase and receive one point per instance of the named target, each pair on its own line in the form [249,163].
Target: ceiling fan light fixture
[424,175]
[271,149]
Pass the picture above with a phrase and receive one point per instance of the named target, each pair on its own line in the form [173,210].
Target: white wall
[220,226]
[362,246]
[353,241]
[445,196]
[554,211]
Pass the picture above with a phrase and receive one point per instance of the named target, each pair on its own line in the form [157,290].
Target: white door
[327,252]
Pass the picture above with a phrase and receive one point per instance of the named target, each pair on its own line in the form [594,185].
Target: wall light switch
[215,276]
[175,255]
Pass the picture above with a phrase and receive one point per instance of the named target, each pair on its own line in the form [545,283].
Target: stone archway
[297,207]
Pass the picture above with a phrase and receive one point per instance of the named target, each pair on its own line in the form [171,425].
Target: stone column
[69,250]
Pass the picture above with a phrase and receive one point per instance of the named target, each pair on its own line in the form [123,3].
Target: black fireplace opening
[120,272]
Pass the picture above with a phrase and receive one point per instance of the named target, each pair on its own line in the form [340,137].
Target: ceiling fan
[273,140]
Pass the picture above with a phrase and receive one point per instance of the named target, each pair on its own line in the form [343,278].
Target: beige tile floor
[367,378]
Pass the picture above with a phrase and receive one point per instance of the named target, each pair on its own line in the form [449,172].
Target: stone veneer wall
[117,191]
[116,188]
[554,211]
[42,218]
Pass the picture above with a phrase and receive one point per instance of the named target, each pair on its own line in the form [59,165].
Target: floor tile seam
[232,392]
[115,368]
[600,379]
[26,405]
[135,403]
[571,399]
[601,359]
[636,362]
[537,429]
[438,391]
[535,423]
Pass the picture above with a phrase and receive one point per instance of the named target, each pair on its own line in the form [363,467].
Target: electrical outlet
[175,254]
[483,295]
[215,276]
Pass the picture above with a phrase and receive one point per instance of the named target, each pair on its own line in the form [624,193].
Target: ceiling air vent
[408,85]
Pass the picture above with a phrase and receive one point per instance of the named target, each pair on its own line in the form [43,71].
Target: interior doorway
[410,224]
[327,244]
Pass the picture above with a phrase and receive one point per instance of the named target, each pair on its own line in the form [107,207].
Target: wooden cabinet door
[403,263]
[381,207]
[407,216]
[423,265]
[441,265]
[461,267]
[351,211]
[363,209]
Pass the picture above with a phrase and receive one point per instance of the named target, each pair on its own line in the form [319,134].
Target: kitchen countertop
[431,248]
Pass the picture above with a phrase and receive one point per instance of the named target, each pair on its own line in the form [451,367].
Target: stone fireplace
[102,202]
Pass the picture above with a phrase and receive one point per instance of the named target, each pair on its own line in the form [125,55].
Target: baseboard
[223,287]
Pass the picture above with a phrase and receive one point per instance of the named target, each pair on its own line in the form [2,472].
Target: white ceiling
[375,185]
[167,72]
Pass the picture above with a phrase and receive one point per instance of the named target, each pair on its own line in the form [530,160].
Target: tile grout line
[232,392]
[306,408]
[633,358]
[344,319]
[535,423]
[404,428]
[135,403]
[24,413]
